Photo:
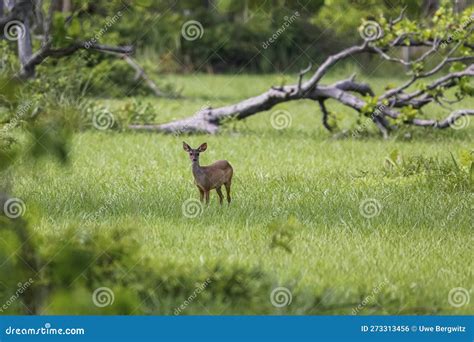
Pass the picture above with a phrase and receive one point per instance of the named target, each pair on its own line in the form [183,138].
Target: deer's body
[212,176]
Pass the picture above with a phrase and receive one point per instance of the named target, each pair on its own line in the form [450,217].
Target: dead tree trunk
[348,92]
[25,50]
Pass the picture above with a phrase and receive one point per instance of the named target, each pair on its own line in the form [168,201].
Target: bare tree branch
[447,122]
[46,51]
[325,115]
[302,73]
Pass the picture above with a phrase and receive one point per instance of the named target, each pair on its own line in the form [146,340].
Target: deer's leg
[219,192]
[206,194]
[227,189]
[201,194]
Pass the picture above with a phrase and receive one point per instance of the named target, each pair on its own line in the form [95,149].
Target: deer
[210,177]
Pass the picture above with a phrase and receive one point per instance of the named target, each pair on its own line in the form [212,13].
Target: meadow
[346,223]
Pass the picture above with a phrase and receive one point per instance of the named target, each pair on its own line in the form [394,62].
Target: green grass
[300,181]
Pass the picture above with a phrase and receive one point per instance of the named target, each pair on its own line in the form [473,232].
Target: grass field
[323,216]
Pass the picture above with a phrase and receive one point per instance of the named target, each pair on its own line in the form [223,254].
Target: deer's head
[194,152]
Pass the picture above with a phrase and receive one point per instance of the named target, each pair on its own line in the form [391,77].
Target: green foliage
[370,106]
[446,173]
[114,77]
[70,276]
[465,87]
[138,111]
[8,60]
[407,114]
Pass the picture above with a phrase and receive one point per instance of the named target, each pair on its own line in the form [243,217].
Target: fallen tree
[448,35]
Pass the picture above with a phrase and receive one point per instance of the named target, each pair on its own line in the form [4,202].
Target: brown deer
[212,176]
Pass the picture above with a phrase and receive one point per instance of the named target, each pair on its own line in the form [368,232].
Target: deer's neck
[197,170]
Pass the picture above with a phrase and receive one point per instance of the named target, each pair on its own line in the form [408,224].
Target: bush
[455,174]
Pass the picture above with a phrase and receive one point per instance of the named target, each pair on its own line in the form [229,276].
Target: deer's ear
[186,147]
[203,147]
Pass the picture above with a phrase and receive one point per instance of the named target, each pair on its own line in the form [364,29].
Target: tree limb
[445,123]
[325,115]
[47,51]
